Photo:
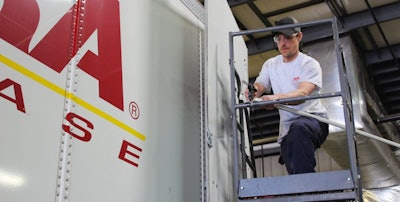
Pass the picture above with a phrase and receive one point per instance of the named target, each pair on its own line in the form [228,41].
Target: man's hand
[269,98]
[246,93]
[250,92]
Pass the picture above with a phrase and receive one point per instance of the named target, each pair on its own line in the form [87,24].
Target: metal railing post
[347,110]
[233,116]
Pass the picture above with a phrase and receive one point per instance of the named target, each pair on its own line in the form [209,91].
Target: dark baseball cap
[287,21]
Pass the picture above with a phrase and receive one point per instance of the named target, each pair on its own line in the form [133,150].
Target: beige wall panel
[269,166]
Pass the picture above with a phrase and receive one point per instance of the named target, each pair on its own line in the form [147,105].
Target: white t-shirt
[286,77]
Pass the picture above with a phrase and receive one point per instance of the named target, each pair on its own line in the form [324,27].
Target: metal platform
[336,185]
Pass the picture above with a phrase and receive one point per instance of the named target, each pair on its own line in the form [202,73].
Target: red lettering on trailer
[134,110]
[87,136]
[19,99]
[124,150]
[71,119]
[19,20]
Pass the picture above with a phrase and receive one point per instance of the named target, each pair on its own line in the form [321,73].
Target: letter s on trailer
[106,100]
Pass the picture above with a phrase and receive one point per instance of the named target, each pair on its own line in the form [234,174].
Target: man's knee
[296,130]
[297,125]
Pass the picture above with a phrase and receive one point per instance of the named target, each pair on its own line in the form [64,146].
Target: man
[294,74]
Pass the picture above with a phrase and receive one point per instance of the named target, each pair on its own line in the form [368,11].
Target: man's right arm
[260,89]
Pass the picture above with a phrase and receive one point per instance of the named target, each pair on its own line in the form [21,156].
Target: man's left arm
[305,88]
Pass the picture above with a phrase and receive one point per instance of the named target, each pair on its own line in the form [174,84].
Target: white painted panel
[161,74]
[29,142]
[161,54]
[29,139]
[220,23]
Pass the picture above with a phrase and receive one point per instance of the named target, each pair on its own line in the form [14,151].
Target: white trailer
[116,100]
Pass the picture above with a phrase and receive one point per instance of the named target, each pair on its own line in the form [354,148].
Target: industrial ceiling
[374,26]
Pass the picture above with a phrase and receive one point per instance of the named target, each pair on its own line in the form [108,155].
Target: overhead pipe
[388,118]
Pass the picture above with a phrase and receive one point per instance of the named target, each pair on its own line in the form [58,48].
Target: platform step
[322,186]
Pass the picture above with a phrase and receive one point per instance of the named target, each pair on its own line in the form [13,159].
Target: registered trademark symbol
[134,110]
